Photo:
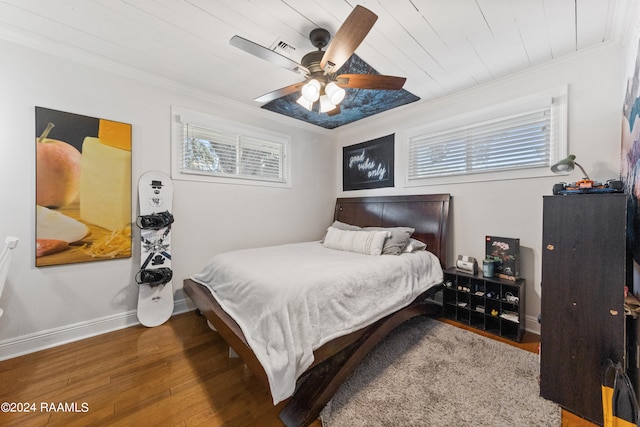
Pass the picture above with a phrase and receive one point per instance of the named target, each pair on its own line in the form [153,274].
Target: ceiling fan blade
[267,54]
[347,39]
[370,81]
[279,93]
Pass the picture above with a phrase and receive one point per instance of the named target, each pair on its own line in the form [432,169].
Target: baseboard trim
[31,343]
[532,324]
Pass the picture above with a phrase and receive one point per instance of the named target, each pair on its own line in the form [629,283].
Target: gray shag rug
[429,373]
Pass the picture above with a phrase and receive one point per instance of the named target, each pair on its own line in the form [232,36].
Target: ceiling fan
[319,67]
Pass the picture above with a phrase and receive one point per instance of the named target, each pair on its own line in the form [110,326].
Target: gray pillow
[399,238]
[344,226]
[414,245]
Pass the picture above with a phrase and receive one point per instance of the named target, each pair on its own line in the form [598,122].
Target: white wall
[48,305]
[513,208]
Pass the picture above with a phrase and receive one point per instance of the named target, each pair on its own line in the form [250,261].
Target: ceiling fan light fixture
[335,93]
[318,66]
[325,104]
[311,90]
[305,103]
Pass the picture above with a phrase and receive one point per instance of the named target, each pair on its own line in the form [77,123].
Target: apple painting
[76,188]
[58,171]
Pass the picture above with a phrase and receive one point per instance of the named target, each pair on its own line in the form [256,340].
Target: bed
[335,358]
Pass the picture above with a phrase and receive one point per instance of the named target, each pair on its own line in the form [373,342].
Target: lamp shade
[335,93]
[565,165]
[325,104]
[305,103]
[311,90]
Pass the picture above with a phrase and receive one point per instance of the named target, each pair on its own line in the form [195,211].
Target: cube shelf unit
[485,303]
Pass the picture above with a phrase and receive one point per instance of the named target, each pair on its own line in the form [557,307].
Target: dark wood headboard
[428,214]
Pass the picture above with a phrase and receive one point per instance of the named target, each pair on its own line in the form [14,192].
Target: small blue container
[487,268]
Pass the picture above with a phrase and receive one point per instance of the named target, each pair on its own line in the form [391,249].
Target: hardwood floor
[177,374]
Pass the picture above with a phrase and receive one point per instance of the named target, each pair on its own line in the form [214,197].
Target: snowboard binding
[154,277]
[154,221]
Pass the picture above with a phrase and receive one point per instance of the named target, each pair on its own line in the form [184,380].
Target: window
[521,136]
[221,151]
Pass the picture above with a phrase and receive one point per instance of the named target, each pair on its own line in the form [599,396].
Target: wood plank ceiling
[441,46]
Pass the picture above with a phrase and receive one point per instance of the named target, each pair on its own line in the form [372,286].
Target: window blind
[221,153]
[517,141]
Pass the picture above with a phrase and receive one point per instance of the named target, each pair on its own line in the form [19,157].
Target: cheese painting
[105,184]
[115,134]
[97,220]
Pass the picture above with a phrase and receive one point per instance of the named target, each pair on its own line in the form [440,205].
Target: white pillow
[398,236]
[414,245]
[360,241]
[342,226]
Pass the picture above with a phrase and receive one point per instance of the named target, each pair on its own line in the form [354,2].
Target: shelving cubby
[490,304]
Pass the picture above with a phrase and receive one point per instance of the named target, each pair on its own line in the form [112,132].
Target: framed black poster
[368,164]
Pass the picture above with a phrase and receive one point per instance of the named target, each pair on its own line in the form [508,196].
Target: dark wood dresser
[584,271]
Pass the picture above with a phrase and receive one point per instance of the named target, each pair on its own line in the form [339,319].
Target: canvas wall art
[630,168]
[83,188]
[368,164]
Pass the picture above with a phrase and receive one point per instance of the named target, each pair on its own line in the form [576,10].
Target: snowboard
[155,290]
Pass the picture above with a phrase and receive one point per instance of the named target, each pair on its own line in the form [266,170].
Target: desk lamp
[567,165]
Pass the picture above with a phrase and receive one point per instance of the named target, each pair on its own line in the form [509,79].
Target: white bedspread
[290,299]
